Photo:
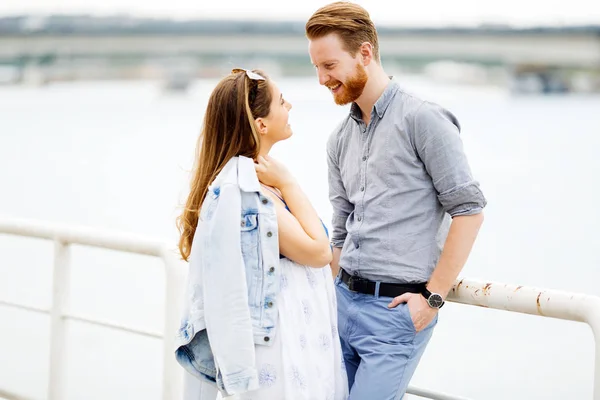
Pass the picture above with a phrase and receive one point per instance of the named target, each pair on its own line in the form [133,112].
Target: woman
[260,318]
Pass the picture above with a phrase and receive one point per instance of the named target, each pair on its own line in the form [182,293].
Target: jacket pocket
[249,233]
[252,262]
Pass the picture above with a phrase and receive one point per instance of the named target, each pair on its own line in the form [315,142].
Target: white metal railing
[10,396]
[526,300]
[65,236]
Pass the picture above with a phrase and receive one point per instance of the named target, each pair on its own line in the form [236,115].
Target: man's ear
[366,53]
[261,126]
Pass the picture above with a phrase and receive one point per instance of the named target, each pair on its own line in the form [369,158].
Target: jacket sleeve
[227,314]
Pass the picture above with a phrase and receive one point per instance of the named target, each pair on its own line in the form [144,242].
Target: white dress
[305,361]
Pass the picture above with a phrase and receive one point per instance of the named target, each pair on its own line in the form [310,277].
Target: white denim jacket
[233,281]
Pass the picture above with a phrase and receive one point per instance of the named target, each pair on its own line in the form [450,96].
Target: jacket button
[272,269]
[243,224]
[266,338]
[270,304]
[359,218]
[265,201]
[269,234]
[362,188]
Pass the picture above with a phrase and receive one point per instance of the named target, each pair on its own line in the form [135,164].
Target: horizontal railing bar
[526,300]
[87,320]
[114,325]
[11,396]
[431,394]
[83,236]
[20,306]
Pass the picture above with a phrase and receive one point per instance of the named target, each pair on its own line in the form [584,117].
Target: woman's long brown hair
[228,130]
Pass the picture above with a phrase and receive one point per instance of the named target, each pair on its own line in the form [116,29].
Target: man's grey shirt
[394,184]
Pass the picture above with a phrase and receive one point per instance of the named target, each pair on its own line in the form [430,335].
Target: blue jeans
[380,345]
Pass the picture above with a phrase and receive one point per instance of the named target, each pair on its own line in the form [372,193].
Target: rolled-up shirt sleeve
[337,195]
[440,148]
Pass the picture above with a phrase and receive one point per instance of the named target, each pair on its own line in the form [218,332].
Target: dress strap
[275,193]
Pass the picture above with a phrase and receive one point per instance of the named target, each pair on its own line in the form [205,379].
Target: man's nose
[323,78]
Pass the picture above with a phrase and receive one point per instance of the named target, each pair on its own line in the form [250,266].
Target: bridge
[562,48]
[127,42]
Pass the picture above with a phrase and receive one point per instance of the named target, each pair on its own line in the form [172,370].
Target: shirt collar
[381,104]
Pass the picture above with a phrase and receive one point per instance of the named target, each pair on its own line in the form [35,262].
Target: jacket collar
[239,171]
[247,179]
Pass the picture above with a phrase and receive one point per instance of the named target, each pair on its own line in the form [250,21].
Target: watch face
[435,300]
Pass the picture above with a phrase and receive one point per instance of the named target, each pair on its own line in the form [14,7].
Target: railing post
[591,311]
[172,372]
[60,287]
[596,364]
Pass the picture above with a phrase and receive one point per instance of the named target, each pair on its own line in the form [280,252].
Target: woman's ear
[261,126]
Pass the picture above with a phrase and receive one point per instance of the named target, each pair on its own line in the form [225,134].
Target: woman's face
[276,123]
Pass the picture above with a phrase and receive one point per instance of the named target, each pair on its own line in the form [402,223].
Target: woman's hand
[272,173]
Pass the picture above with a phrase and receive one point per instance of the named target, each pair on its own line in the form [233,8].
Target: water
[116,155]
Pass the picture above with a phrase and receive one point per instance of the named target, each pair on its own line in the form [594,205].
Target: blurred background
[100,108]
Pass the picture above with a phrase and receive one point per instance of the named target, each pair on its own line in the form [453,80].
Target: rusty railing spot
[538,304]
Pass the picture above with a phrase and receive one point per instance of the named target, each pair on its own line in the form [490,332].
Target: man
[406,209]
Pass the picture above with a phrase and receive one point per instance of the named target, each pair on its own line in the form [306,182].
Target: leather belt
[365,286]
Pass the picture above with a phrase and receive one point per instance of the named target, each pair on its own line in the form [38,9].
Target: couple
[263,318]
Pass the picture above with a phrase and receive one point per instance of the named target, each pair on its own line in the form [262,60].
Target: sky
[389,12]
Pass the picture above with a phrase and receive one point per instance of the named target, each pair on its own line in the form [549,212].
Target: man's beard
[351,89]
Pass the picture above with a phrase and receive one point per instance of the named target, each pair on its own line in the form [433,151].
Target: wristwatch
[434,300]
